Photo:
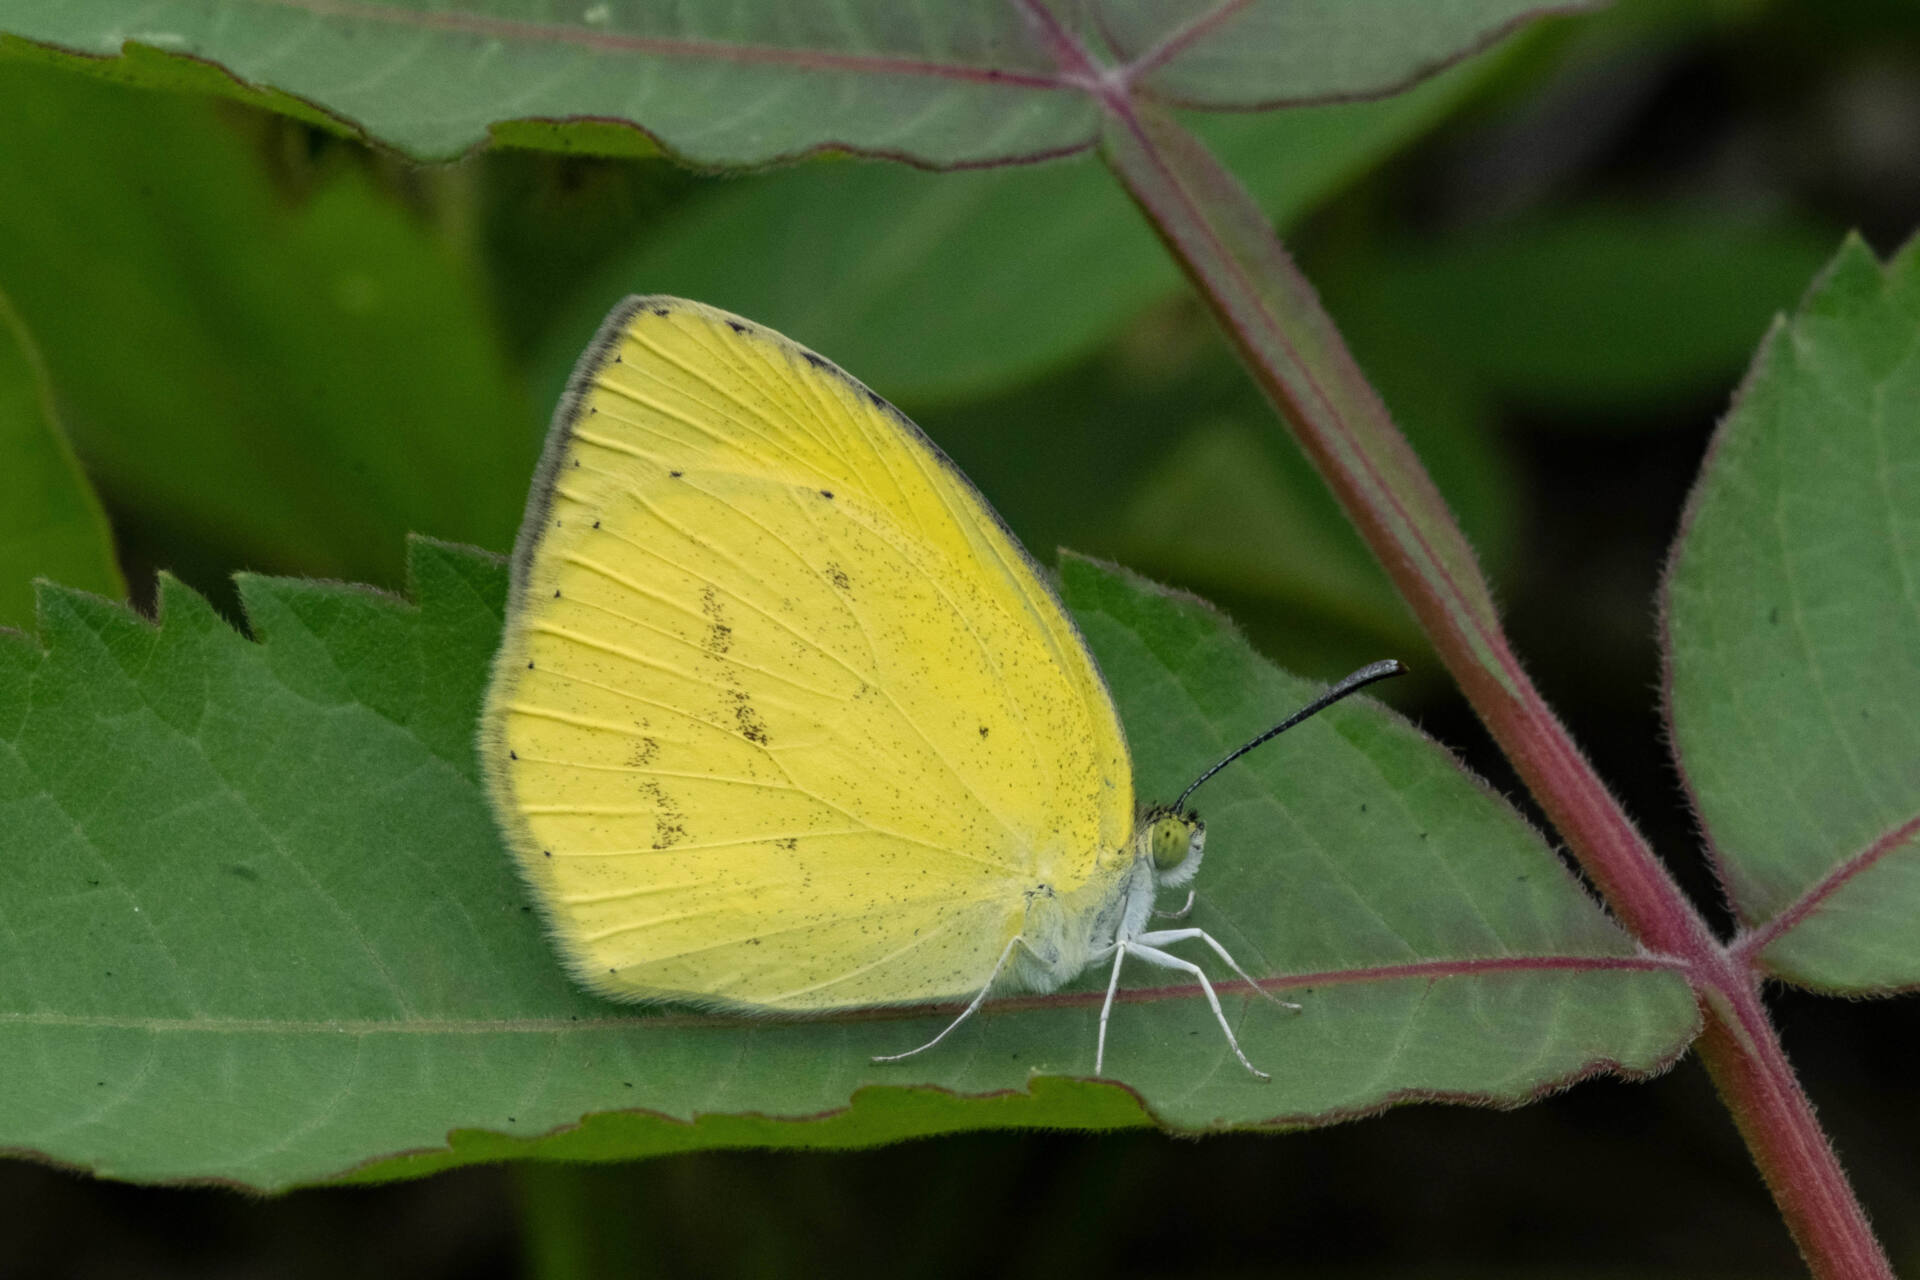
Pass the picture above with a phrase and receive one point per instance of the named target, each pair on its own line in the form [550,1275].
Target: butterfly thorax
[1063,928]
[1064,931]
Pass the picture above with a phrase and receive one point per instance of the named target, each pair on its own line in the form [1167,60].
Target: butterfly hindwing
[783,717]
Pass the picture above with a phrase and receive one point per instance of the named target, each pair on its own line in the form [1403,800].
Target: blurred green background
[276,350]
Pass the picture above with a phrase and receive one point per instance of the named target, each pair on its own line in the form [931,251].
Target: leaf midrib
[1432,970]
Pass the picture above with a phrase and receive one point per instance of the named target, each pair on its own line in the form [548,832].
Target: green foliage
[1793,634]
[258,925]
[50,522]
[1596,310]
[305,950]
[306,372]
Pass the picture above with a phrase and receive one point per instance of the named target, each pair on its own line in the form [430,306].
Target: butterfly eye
[1172,838]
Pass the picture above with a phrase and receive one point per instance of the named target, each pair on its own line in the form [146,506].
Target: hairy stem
[1229,251]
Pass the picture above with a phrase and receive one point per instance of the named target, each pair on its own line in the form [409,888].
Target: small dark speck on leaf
[983,731]
[1363,806]
[529,664]
[826,493]
[244,872]
[546,853]
[596,524]
[556,593]
[736,326]
[627,1083]
[512,754]
[660,311]
[676,474]
[1423,835]
[525,910]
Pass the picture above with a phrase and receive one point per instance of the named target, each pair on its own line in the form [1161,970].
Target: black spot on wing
[669,823]
[746,717]
[719,635]
[838,576]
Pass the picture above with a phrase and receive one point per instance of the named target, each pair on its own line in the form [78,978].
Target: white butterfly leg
[965,1013]
[1186,909]
[1168,961]
[1113,984]
[1161,937]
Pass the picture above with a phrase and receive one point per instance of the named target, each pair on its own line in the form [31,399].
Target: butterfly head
[1173,842]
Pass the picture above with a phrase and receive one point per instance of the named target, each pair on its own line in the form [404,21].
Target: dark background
[1782,125]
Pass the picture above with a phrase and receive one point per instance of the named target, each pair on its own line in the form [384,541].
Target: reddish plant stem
[1227,247]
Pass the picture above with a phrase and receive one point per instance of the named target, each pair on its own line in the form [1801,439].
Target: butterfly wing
[783,715]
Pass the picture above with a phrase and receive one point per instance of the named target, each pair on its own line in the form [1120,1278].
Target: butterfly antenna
[1352,684]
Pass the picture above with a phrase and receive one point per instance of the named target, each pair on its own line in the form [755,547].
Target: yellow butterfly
[785,719]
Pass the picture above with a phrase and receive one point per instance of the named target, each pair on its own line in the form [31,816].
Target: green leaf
[260,927]
[943,286]
[301,378]
[1793,636]
[1598,308]
[718,84]
[51,524]
[1268,52]
[731,85]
